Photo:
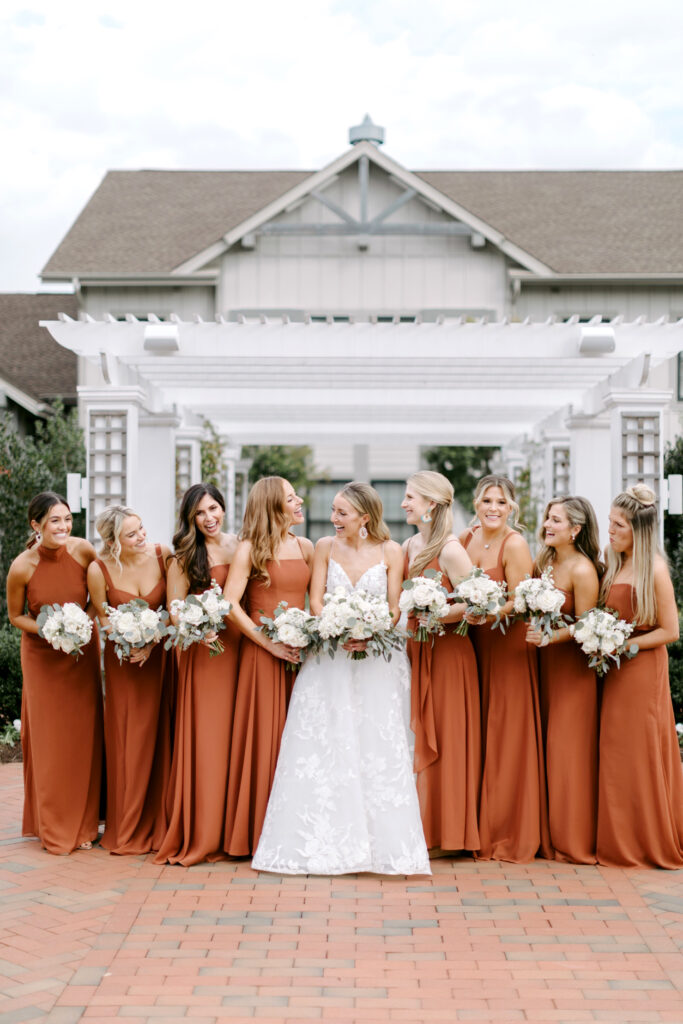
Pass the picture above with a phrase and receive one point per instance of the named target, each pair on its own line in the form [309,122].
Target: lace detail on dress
[344,797]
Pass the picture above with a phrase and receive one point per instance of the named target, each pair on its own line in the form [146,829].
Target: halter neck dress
[61,717]
[137,737]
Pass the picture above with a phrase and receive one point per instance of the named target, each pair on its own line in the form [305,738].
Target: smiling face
[557,530]
[293,504]
[620,532]
[493,508]
[415,506]
[133,536]
[55,526]
[346,520]
[209,516]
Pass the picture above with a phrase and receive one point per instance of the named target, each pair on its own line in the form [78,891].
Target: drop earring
[426,517]
[362,533]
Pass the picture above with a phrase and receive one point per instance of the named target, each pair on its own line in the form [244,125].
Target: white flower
[149,618]
[17,724]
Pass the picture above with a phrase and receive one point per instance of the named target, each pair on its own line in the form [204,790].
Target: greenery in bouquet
[539,602]
[198,616]
[603,636]
[482,596]
[66,627]
[425,597]
[355,616]
[289,626]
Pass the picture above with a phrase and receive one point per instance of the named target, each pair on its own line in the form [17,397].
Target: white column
[590,459]
[153,486]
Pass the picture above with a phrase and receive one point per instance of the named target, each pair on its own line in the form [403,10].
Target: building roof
[576,222]
[29,358]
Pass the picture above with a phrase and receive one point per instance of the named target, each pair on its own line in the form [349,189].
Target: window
[560,482]
[107,443]
[392,493]
[320,508]
[640,451]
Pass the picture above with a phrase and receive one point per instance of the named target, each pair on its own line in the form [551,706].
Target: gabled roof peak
[366,132]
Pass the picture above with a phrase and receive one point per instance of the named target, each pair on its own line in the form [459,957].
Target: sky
[87,86]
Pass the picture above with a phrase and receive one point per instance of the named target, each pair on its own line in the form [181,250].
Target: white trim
[33,405]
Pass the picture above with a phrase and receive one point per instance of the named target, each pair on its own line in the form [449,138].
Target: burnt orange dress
[445,717]
[263,690]
[201,750]
[513,810]
[61,717]
[640,787]
[137,737]
[569,713]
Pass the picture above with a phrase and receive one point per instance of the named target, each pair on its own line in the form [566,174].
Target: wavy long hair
[508,489]
[437,488]
[189,543]
[109,524]
[38,509]
[266,523]
[638,505]
[367,502]
[581,515]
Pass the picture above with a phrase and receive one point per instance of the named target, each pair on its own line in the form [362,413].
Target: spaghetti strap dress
[445,717]
[640,786]
[137,737]
[569,714]
[513,810]
[203,732]
[61,717]
[263,690]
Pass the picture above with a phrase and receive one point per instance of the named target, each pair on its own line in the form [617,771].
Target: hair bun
[643,494]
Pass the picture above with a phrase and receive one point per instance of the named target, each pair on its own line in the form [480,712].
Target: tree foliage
[462,465]
[294,463]
[212,459]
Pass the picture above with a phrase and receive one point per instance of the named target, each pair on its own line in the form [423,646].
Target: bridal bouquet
[481,594]
[290,626]
[134,625]
[66,627]
[603,636]
[198,615]
[539,602]
[424,595]
[355,616]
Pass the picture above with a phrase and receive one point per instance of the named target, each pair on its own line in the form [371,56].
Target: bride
[344,798]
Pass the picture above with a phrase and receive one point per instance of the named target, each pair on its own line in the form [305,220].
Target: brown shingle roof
[29,357]
[577,222]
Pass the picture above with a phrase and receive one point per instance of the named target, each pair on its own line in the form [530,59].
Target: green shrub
[10,674]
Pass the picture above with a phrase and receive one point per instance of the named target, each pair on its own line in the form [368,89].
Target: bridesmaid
[206,689]
[271,565]
[513,810]
[137,739]
[640,788]
[569,691]
[61,716]
[445,714]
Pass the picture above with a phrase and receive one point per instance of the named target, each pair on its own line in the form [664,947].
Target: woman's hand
[140,655]
[284,652]
[536,636]
[475,620]
[355,645]
[210,638]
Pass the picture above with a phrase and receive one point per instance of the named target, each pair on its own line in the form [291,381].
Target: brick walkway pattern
[97,937]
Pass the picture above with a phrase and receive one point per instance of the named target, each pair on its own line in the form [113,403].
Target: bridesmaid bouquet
[134,625]
[481,594]
[290,626]
[539,602]
[355,616]
[66,627]
[603,636]
[198,615]
[424,595]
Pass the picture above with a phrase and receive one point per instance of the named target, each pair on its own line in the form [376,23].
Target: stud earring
[362,533]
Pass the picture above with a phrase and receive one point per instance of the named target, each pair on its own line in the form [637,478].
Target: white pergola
[146,388]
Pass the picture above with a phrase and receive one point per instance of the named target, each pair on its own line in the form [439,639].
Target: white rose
[590,645]
[149,619]
[66,644]
[193,614]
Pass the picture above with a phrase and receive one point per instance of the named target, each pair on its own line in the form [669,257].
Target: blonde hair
[367,502]
[638,505]
[581,514]
[508,489]
[109,524]
[437,488]
[266,523]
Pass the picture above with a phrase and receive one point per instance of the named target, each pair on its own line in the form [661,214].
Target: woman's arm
[177,586]
[235,585]
[321,560]
[393,556]
[585,587]
[17,580]
[666,629]
[97,588]
[456,563]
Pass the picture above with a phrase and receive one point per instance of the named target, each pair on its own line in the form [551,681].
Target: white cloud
[89,86]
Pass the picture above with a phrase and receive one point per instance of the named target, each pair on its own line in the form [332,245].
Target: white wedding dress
[344,797]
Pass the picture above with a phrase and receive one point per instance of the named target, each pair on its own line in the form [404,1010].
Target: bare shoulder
[323,546]
[166,554]
[393,551]
[22,567]
[583,570]
[516,542]
[307,546]
[466,535]
[229,544]
[82,550]
[661,567]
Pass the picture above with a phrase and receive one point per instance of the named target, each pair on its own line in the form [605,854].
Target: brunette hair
[189,543]
[367,502]
[437,488]
[581,514]
[38,508]
[638,505]
[507,487]
[266,523]
[109,524]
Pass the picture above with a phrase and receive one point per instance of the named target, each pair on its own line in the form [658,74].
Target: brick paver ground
[98,937]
